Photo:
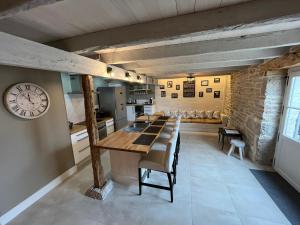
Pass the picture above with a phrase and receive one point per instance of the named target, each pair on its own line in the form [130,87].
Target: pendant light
[190,78]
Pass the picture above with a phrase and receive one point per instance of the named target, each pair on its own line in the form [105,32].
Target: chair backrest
[169,155]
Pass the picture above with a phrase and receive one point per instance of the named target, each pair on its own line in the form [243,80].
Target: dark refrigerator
[112,100]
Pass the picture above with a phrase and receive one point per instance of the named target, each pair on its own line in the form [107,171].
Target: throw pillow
[217,115]
[209,114]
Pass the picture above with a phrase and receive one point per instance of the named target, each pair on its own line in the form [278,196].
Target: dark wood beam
[91,124]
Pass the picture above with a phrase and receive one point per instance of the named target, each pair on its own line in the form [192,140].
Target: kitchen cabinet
[81,149]
[130,112]
[149,109]
[110,128]
[80,145]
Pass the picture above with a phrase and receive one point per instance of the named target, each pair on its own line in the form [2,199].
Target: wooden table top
[145,118]
[123,141]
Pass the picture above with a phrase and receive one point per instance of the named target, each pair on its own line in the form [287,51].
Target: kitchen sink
[136,127]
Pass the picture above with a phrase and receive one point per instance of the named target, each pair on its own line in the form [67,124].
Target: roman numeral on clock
[27,87]
[31,114]
[15,108]
[19,88]
[23,113]
[13,101]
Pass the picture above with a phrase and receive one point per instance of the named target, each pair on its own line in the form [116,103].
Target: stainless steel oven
[101,126]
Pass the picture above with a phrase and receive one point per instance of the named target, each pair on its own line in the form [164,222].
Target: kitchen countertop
[138,104]
[81,126]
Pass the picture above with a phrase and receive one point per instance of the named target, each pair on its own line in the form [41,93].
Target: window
[292,124]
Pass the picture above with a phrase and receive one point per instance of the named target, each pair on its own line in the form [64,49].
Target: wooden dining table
[127,148]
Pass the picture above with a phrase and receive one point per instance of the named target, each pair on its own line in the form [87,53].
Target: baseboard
[14,212]
[288,179]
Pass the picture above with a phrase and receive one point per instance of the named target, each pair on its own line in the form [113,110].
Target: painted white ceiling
[75,17]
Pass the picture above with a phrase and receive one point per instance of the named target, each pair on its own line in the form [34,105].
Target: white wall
[208,102]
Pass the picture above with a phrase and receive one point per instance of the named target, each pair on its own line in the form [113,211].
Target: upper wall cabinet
[151,80]
[71,84]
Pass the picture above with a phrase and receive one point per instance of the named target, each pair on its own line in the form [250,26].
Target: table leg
[223,141]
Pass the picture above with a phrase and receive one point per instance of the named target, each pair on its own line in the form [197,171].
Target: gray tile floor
[211,189]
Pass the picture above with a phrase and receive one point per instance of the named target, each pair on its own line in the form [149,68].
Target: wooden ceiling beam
[16,51]
[234,45]
[236,18]
[209,58]
[214,71]
[198,67]
[9,8]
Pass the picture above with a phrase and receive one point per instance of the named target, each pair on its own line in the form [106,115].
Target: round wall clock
[27,100]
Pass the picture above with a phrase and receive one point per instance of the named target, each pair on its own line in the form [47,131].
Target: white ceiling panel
[70,18]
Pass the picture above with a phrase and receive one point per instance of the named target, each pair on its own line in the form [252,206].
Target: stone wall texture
[255,109]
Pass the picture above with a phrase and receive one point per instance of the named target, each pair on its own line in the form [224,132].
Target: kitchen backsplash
[75,107]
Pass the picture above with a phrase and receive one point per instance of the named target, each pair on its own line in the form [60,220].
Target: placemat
[153,130]
[145,139]
[163,118]
[159,123]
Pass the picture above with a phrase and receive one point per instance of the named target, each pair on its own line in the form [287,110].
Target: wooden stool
[237,144]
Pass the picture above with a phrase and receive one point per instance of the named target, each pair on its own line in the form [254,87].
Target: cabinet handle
[81,150]
[82,138]
[77,135]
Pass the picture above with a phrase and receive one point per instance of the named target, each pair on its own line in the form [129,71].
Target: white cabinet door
[130,112]
[80,145]
[149,109]
[287,155]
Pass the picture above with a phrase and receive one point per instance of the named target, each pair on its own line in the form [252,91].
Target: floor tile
[211,189]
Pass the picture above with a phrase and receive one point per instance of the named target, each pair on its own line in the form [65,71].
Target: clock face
[27,100]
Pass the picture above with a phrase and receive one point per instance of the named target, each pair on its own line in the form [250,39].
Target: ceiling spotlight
[127,74]
[138,77]
[109,70]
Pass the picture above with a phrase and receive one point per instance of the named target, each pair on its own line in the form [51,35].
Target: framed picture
[208,90]
[188,89]
[161,86]
[217,94]
[177,87]
[204,82]
[174,95]
[217,80]
[201,94]
[163,94]
[170,84]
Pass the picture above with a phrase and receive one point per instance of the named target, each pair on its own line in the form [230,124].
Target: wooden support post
[100,187]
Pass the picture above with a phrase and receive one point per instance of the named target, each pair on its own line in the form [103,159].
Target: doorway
[287,156]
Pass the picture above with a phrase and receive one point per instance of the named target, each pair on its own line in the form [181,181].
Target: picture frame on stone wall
[217,80]
[201,94]
[161,86]
[178,87]
[204,82]
[170,84]
[163,94]
[174,95]
[208,90]
[217,94]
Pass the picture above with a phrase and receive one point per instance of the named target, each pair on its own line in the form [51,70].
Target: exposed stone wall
[227,101]
[256,99]
[275,86]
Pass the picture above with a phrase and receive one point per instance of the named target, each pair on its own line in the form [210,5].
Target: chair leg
[140,181]
[174,172]
[241,153]
[148,173]
[231,150]
[171,185]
